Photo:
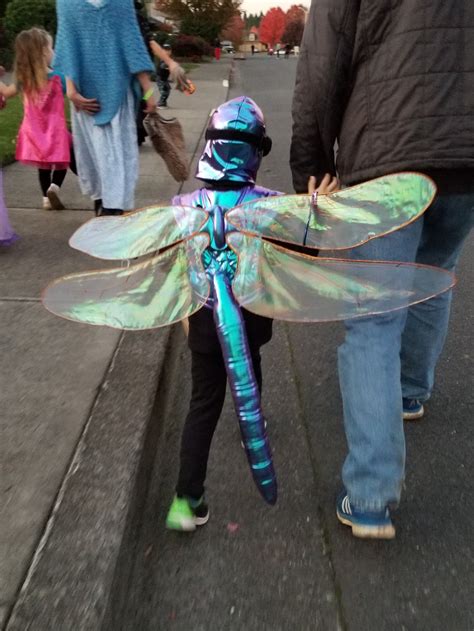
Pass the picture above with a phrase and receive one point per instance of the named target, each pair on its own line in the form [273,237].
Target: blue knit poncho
[100,47]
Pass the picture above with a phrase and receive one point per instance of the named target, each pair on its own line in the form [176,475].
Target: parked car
[227,47]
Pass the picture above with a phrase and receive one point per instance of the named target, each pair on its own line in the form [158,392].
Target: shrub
[24,14]
[194,48]
[6,52]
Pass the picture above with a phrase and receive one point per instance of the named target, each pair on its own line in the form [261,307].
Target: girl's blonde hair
[30,63]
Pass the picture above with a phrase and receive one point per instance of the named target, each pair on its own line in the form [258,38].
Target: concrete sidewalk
[63,384]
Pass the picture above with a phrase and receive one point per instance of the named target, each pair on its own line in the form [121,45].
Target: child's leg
[166,91]
[45,180]
[208,393]
[58,177]
[45,183]
[257,366]
[159,83]
[55,188]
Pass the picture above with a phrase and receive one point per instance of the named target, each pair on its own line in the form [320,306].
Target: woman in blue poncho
[101,51]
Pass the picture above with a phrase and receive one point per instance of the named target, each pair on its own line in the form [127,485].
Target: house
[251,38]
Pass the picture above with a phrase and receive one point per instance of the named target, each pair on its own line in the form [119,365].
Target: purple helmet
[236,142]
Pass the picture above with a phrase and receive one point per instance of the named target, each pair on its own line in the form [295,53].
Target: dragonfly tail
[245,392]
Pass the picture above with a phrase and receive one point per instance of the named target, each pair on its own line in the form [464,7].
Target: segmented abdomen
[233,339]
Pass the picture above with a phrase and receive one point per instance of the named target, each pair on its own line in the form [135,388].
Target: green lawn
[10,119]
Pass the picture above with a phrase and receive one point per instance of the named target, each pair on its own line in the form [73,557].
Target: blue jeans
[385,358]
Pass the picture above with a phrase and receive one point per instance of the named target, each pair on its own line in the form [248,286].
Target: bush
[6,52]
[24,14]
[6,58]
[194,48]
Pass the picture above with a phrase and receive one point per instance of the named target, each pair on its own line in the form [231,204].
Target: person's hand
[81,104]
[150,105]
[178,75]
[3,102]
[329,184]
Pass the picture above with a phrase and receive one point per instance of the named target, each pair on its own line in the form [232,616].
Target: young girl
[43,139]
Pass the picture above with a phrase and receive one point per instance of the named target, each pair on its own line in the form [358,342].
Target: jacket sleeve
[322,86]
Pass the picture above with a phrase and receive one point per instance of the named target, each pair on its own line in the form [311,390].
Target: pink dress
[43,139]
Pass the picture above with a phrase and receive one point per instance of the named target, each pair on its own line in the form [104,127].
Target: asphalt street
[294,566]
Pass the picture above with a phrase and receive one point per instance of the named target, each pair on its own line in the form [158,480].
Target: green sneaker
[185,517]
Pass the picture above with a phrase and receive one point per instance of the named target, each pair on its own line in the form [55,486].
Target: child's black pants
[209,380]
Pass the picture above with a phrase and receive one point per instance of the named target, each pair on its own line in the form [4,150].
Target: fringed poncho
[100,47]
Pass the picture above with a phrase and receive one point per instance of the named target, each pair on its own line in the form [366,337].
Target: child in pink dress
[43,140]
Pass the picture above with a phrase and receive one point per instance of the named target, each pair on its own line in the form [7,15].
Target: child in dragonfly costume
[234,259]
[236,142]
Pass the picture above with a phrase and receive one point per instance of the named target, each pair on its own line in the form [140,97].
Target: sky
[255,6]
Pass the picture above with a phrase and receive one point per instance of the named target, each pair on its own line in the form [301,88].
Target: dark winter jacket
[393,82]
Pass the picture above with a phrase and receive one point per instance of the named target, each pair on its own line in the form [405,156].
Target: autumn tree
[293,33]
[205,18]
[272,26]
[295,19]
[296,13]
[234,30]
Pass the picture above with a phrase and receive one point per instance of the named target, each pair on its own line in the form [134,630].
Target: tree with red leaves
[293,33]
[272,26]
[295,18]
[296,13]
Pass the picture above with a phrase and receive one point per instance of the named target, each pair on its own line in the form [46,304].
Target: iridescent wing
[275,282]
[341,220]
[155,293]
[138,233]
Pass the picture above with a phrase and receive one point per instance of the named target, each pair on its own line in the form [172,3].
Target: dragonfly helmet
[236,142]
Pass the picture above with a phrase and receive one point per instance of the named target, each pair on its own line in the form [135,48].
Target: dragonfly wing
[341,220]
[278,283]
[151,294]
[138,233]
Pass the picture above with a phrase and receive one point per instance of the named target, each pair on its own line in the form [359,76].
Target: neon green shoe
[185,517]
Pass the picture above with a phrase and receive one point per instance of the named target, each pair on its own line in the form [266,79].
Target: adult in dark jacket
[393,84]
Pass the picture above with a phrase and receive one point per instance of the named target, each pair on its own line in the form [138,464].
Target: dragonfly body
[220,264]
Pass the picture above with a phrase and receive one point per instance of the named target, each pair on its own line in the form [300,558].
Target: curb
[87,541]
